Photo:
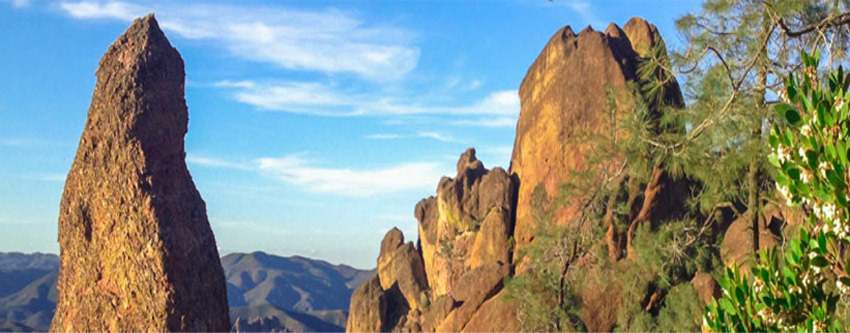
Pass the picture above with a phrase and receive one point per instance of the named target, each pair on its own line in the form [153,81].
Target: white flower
[843,288]
[785,193]
[807,131]
[806,176]
[795,290]
[838,104]
[823,167]
[829,211]
[783,95]
[783,154]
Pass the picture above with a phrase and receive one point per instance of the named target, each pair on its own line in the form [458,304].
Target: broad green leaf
[820,261]
[789,112]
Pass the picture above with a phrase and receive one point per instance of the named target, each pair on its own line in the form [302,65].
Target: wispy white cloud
[456,83]
[327,100]
[383,136]
[330,41]
[426,135]
[585,10]
[235,84]
[436,136]
[98,10]
[295,169]
[490,122]
[496,155]
[20,3]
[214,162]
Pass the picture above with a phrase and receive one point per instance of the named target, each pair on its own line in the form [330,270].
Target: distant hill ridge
[266,292]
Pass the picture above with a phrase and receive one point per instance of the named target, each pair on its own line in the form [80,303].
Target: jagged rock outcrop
[137,250]
[468,224]
[400,263]
[564,100]
[471,232]
[368,308]
[464,239]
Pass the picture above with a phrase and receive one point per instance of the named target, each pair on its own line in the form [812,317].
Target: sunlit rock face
[463,255]
[468,224]
[565,102]
[137,251]
[471,232]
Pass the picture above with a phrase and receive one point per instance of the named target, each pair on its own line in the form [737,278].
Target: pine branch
[829,22]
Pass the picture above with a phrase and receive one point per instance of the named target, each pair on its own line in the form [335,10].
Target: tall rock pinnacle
[137,250]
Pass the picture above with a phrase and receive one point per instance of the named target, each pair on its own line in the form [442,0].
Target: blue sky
[314,126]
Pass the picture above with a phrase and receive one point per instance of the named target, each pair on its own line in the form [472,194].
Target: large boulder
[400,263]
[473,288]
[565,101]
[737,248]
[367,312]
[706,287]
[494,315]
[137,251]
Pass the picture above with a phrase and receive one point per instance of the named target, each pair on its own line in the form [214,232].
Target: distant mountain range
[265,292]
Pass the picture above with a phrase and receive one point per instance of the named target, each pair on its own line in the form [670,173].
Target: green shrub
[681,311]
[801,289]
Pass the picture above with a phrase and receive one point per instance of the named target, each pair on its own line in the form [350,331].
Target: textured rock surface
[464,241]
[706,287]
[368,308]
[467,231]
[137,249]
[400,263]
[468,224]
[495,315]
[564,101]
[737,247]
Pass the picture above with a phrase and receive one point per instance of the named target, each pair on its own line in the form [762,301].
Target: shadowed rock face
[137,251]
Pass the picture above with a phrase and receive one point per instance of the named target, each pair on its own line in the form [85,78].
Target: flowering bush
[800,290]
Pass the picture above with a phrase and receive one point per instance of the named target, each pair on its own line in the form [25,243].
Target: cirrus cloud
[329,41]
[296,170]
[328,100]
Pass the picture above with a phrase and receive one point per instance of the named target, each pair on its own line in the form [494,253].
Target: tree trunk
[650,200]
[612,236]
[753,211]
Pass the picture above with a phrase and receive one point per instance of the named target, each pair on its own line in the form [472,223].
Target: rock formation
[464,241]
[137,251]
[564,101]
[737,247]
[470,234]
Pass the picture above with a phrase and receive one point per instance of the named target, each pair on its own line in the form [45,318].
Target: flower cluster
[799,290]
